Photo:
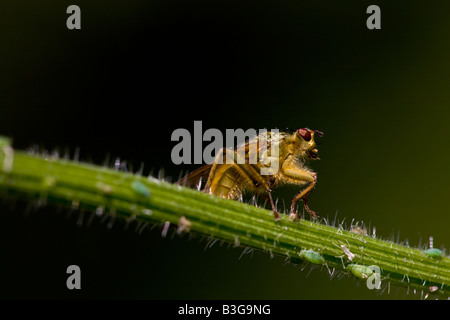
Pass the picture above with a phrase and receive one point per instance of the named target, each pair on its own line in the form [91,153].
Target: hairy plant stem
[108,191]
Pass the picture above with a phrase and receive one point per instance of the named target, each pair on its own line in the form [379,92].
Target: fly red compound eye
[305,134]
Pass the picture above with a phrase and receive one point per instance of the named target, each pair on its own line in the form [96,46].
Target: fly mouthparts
[313,154]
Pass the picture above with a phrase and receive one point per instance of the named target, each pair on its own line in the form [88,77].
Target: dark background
[138,70]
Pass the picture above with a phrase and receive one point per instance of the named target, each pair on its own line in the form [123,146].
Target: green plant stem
[108,191]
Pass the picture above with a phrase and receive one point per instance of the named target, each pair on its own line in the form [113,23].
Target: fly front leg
[304,196]
[301,176]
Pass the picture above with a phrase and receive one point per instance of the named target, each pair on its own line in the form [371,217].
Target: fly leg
[301,176]
[304,196]
[274,208]
[255,176]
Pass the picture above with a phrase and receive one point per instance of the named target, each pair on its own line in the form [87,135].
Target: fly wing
[259,144]
[201,175]
[198,176]
[250,148]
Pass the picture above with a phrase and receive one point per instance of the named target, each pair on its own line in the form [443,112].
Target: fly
[231,180]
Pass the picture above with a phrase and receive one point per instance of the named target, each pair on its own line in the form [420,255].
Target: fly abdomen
[225,184]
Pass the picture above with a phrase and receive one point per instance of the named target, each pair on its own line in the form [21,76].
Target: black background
[138,70]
